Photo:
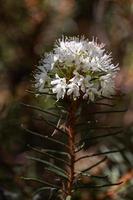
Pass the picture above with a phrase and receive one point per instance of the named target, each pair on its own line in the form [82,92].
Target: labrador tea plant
[77,74]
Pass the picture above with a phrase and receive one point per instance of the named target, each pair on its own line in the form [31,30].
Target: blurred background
[28,28]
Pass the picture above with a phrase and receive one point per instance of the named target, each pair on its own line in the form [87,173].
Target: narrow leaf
[47,163]
[97,154]
[80,147]
[39,109]
[38,93]
[40,181]
[98,163]
[108,111]
[59,173]
[43,189]
[50,155]
[80,186]
[56,152]
[51,124]
[45,137]
[92,176]
[97,137]
[105,104]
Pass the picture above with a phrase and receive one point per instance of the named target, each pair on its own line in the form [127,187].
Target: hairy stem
[71,140]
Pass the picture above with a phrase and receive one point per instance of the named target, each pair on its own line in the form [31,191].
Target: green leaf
[59,173]
[39,109]
[51,124]
[98,154]
[108,111]
[90,175]
[40,181]
[43,189]
[56,152]
[90,186]
[80,147]
[95,165]
[47,163]
[39,93]
[45,137]
[48,154]
[100,136]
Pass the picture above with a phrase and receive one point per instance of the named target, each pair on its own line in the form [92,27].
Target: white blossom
[73,88]
[86,83]
[91,92]
[77,67]
[49,61]
[59,86]
[73,85]
[107,85]
[41,79]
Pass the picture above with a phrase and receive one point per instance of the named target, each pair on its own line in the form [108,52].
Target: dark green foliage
[60,167]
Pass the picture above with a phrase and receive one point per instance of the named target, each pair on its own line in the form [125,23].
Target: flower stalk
[71,142]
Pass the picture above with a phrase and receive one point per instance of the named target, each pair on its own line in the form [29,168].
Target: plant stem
[71,140]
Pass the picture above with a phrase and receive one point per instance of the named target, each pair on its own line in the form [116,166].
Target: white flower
[80,67]
[59,87]
[41,79]
[78,79]
[73,88]
[86,83]
[107,85]
[49,61]
[74,85]
[92,91]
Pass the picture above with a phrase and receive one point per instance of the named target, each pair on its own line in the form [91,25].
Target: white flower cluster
[77,68]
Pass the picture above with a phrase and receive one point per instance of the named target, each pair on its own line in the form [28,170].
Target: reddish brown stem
[71,140]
